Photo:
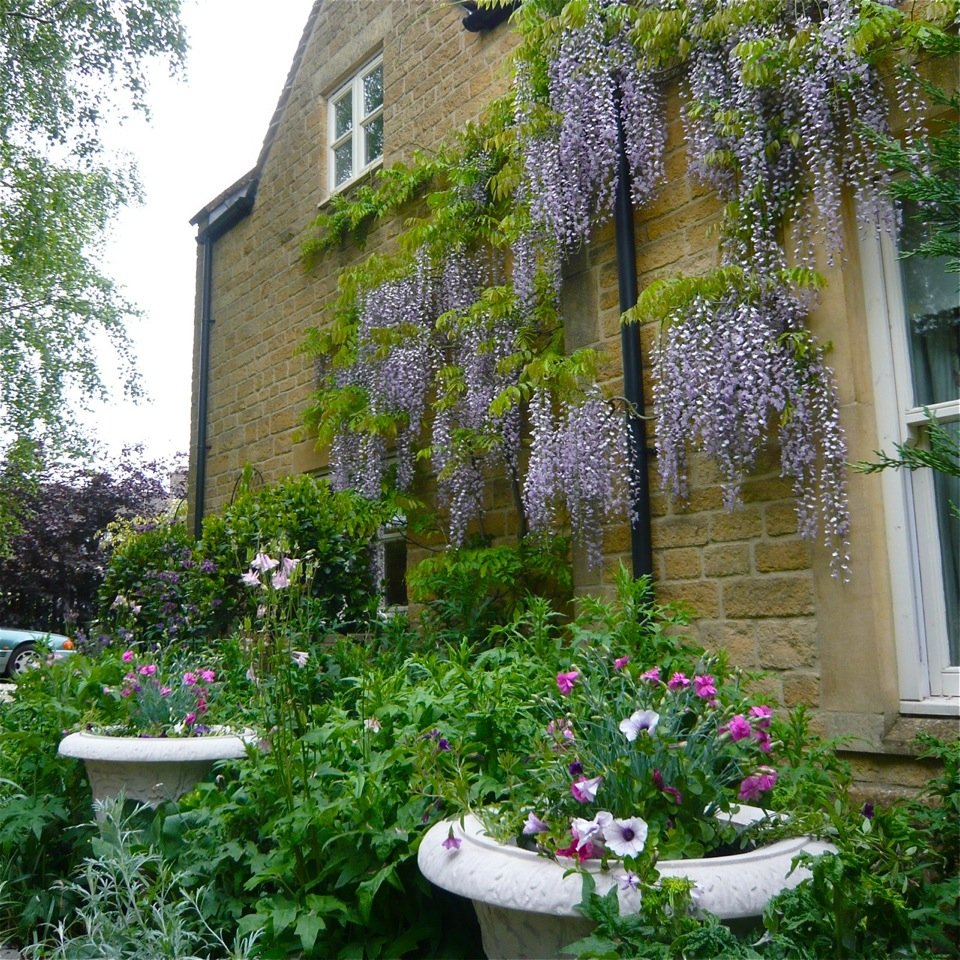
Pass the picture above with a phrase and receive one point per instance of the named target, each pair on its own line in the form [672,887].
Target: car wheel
[21,659]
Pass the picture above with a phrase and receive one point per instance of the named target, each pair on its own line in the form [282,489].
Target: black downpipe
[203,389]
[641,549]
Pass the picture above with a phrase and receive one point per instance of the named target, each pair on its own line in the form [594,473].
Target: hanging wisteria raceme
[782,108]
[478,344]
[728,373]
[570,169]
[578,467]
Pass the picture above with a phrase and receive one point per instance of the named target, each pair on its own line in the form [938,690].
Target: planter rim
[127,749]
[507,876]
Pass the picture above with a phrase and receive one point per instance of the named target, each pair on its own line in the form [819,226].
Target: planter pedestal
[527,908]
[149,770]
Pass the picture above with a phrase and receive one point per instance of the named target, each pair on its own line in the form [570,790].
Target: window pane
[343,116]
[932,301]
[343,162]
[373,90]
[395,572]
[373,140]
[948,493]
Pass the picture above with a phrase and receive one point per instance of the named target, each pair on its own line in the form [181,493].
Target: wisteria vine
[780,102]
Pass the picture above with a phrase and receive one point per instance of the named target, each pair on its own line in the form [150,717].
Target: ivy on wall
[451,349]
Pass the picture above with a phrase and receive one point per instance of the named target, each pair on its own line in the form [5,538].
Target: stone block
[773,596]
[787,644]
[726,560]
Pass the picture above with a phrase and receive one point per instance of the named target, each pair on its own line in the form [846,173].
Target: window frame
[357,134]
[928,685]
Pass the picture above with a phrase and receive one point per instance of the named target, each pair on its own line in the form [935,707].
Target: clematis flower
[620,663]
[641,721]
[759,782]
[585,790]
[452,842]
[534,825]
[565,681]
[626,838]
[263,563]
[739,728]
[678,681]
[704,686]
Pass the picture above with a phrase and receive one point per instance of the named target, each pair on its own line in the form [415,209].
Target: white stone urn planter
[527,908]
[149,769]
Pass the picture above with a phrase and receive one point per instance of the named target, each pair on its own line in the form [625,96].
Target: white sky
[205,133]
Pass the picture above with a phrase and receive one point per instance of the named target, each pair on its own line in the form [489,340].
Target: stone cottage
[876,659]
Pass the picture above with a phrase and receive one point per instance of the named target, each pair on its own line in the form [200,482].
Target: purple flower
[534,825]
[704,686]
[189,679]
[565,681]
[585,790]
[127,656]
[762,716]
[620,663]
[280,580]
[250,579]
[867,810]
[641,721]
[664,787]
[678,681]
[652,675]
[759,782]
[263,563]
[626,838]
[443,744]
[575,768]
[452,842]
[739,728]
[630,881]
[147,670]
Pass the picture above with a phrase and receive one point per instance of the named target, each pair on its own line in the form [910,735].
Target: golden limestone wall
[756,588]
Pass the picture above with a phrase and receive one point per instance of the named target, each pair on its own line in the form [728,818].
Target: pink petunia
[565,681]
[452,842]
[584,790]
[534,825]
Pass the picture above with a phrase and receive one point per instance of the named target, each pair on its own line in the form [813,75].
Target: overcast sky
[206,132]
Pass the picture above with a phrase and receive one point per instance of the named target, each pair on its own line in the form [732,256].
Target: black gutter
[213,225]
[641,548]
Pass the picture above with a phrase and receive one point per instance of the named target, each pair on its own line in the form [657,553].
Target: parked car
[19,649]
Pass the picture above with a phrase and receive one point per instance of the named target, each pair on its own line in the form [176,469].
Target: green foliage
[64,69]
[893,886]
[942,455]
[468,591]
[131,905]
[44,800]
[162,586]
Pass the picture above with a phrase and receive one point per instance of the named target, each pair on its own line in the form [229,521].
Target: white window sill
[932,707]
